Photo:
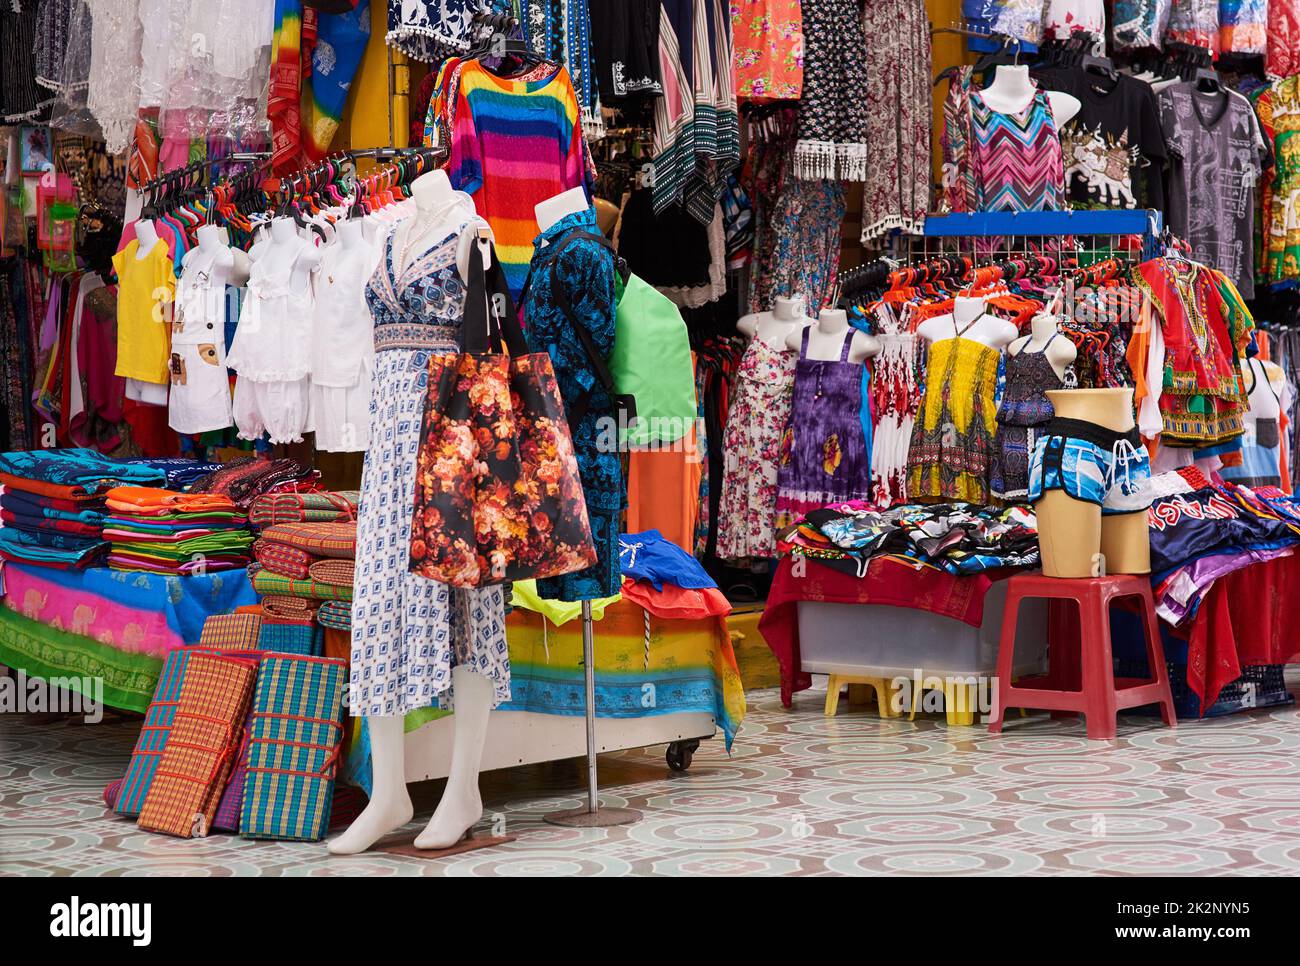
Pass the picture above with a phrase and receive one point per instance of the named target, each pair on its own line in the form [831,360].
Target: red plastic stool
[1100,695]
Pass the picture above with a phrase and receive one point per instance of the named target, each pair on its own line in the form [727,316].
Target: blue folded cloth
[650,556]
[86,468]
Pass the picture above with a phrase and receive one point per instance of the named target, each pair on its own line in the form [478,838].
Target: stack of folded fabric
[324,507]
[308,560]
[181,471]
[52,507]
[178,533]
[246,479]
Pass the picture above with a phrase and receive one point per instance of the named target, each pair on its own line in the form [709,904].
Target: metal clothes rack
[1084,236]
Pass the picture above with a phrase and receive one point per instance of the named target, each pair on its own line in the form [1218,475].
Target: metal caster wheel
[680,754]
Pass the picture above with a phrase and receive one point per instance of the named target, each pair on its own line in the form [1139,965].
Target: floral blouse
[768,38]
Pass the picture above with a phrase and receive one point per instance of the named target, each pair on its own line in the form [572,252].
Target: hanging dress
[407,631]
[199,401]
[895,399]
[824,456]
[1016,159]
[1024,407]
[342,349]
[952,439]
[755,422]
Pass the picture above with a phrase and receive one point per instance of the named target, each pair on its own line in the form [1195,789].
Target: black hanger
[1101,66]
[1207,80]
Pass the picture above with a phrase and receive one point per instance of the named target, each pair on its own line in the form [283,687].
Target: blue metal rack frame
[1039,224]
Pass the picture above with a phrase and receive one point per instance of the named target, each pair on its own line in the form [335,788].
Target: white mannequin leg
[390,804]
[461,805]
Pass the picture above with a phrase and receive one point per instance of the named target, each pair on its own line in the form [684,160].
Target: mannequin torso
[146,236]
[1110,408]
[774,327]
[1060,352]
[969,320]
[1013,89]
[435,200]
[288,253]
[826,339]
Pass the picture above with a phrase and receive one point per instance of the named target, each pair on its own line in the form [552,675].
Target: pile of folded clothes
[182,471]
[52,507]
[323,507]
[176,533]
[960,538]
[244,480]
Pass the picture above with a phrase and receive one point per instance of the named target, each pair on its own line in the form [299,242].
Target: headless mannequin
[970,319]
[390,803]
[787,315]
[565,203]
[826,339]
[146,235]
[1060,352]
[229,265]
[1012,90]
[288,251]
[1075,538]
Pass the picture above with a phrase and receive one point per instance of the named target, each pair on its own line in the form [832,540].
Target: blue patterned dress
[586,270]
[407,631]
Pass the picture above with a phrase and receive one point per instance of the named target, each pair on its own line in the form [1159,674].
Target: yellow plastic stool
[880,685]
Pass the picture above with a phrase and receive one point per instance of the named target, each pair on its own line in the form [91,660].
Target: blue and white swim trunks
[1092,463]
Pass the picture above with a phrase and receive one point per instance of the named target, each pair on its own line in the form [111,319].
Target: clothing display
[953,435]
[756,422]
[146,291]
[199,400]
[1218,156]
[769,56]
[1024,409]
[625,48]
[833,123]
[824,456]
[1093,464]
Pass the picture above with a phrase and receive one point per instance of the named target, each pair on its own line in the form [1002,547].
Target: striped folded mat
[195,765]
[334,571]
[235,632]
[280,608]
[336,614]
[265,582]
[320,539]
[152,741]
[280,558]
[226,818]
[294,747]
[292,637]
[272,508]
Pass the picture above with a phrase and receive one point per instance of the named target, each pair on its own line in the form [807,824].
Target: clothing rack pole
[591,815]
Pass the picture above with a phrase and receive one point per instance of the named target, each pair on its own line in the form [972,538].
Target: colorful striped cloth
[233,632]
[280,558]
[266,582]
[334,571]
[294,745]
[153,735]
[514,144]
[320,539]
[336,614]
[195,764]
[272,508]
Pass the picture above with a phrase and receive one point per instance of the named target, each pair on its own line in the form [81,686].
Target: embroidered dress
[833,113]
[768,36]
[1024,408]
[952,439]
[752,446]
[824,456]
[408,632]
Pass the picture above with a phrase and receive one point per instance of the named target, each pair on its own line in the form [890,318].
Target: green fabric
[43,652]
[652,361]
[523,594]
[211,545]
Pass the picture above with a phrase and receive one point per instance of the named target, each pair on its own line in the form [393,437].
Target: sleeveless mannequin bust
[1060,352]
[970,319]
[434,199]
[826,339]
[288,250]
[1012,90]
[787,315]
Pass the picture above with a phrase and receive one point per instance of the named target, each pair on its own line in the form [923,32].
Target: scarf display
[833,113]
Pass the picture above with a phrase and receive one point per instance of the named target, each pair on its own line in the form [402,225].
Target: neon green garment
[556,611]
[652,361]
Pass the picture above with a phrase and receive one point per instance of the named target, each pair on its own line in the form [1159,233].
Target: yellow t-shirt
[146,288]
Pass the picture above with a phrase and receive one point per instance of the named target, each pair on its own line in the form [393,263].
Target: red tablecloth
[1248,617]
[888,581]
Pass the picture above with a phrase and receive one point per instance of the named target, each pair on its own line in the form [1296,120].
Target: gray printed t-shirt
[1217,154]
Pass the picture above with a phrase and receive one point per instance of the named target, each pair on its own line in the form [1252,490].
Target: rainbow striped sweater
[513,144]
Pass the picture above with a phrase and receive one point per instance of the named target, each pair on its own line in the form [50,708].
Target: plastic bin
[885,641]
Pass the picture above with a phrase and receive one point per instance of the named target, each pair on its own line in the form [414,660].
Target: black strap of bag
[624,405]
[490,315]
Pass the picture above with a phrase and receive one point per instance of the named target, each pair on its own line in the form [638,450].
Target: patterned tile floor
[801,795]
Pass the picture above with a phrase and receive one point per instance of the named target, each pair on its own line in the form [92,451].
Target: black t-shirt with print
[1114,147]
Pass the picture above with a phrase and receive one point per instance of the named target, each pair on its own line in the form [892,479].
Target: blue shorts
[1091,463]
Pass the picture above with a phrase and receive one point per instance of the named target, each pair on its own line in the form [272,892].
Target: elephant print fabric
[1114,147]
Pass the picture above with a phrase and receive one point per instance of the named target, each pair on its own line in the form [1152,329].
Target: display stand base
[470,843]
[586,818]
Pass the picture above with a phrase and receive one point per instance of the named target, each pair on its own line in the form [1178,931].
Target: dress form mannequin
[1075,538]
[826,339]
[787,315]
[434,200]
[233,263]
[565,203]
[970,319]
[1012,90]
[390,803]
[1060,352]
[288,250]
[146,235]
